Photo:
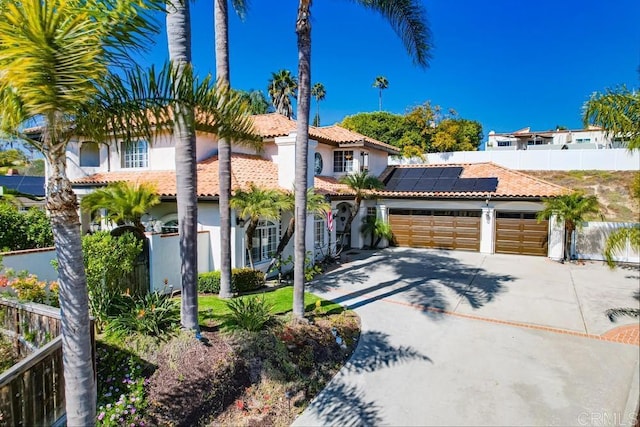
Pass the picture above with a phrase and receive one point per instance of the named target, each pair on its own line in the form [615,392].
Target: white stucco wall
[35,261]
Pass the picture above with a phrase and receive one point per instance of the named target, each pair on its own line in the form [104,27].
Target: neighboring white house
[525,139]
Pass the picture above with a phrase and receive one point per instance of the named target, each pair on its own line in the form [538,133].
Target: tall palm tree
[316,203]
[179,43]
[255,204]
[221,23]
[572,210]
[318,92]
[360,183]
[257,101]
[617,111]
[123,202]
[54,55]
[282,88]
[381,83]
[408,20]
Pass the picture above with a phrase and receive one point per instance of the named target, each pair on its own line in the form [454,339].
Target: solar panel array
[437,179]
[33,185]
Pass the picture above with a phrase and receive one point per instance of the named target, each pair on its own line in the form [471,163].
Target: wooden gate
[137,281]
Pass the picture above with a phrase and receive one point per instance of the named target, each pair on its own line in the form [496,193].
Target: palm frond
[408,19]
[617,111]
[617,242]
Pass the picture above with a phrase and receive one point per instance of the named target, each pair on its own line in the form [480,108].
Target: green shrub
[246,279]
[7,353]
[242,280]
[24,230]
[209,282]
[28,288]
[153,314]
[249,313]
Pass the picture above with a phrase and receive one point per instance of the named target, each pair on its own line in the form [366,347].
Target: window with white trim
[343,161]
[364,161]
[318,228]
[265,242]
[135,154]
[89,154]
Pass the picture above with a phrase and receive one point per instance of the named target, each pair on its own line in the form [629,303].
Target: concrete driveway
[460,338]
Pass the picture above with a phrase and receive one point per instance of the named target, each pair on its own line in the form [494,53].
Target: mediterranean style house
[478,207]
[525,139]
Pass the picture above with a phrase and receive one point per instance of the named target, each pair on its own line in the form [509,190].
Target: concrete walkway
[461,338]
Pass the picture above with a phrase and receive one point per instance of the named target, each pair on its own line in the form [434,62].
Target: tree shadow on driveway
[434,281]
[344,404]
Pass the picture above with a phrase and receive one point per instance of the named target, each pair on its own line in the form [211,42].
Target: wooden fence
[32,391]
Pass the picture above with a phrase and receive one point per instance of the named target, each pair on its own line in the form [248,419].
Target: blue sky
[506,63]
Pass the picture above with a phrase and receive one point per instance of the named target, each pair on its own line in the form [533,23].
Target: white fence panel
[590,241]
[35,261]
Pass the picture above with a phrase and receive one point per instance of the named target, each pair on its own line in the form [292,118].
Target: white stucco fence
[617,159]
[590,240]
[164,262]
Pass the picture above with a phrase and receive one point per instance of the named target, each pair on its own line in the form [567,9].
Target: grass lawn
[213,310]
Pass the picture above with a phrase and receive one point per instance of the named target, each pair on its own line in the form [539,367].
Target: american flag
[330,220]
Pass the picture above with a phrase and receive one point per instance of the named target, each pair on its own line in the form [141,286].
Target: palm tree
[318,92]
[54,55]
[377,229]
[572,209]
[124,202]
[221,23]
[316,203]
[381,83]
[256,204]
[257,101]
[408,19]
[617,111]
[360,183]
[179,43]
[282,87]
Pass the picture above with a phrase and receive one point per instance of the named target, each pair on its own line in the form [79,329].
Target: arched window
[265,242]
[89,154]
[135,154]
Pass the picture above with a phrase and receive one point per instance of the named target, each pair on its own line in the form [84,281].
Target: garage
[442,229]
[521,233]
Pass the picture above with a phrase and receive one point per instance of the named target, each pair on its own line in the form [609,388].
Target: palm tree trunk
[221,19]
[80,386]
[179,41]
[352,216]
[380,99]
[251,229]
[303,30]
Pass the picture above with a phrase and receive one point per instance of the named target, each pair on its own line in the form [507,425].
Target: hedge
[242,280]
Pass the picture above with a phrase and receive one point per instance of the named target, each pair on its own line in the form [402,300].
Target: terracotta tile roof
[330,186]
[275,124]
[511,183]
[342,136]
[245,170]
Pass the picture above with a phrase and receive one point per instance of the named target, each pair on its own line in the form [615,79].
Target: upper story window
[135,154]
[89,154]
[364,161]
[504,143]
[265,242]
[343,161]
[583,140]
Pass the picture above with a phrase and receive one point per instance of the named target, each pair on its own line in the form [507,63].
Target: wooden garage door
[521,233]
[436,229]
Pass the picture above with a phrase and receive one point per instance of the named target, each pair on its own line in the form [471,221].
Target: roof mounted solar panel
[486,184]
[425,185]
[464,184]
[451,172]
[400,173]
[432,172]
[414,173]
[392,183]
[443,184]
[406,184]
